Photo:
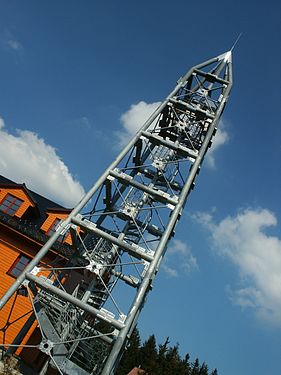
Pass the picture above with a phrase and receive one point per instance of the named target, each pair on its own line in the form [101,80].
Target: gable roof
[13,185]
[44,204]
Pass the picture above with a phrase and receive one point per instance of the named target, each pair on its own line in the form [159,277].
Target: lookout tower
[87,308]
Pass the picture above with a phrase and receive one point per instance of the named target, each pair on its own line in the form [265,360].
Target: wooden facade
[26,221]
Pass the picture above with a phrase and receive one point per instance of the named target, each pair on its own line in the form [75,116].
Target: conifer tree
[174,362]
[195,367]
[149,356]
[164,360]
[162,351]
[186,363]
[131,356]
[163,348]
[214,372]
[203,369]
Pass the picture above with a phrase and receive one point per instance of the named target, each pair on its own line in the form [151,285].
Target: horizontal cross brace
[75,301]
[157,194]
[151,174]
[211,77]
[181,150]
[155,231]
[131,249]
[192,108]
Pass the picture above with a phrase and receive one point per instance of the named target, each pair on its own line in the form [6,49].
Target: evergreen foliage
[131,357]
[161,360]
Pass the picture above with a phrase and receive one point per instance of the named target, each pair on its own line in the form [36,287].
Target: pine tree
[186,363]
[195,367]
[149,356]
[204,369]
[162,367]
[131,356]
[165,360]
[175,364]
[163,348]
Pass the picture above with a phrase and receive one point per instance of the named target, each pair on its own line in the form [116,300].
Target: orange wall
[8,255]
[11,246]
[49,222]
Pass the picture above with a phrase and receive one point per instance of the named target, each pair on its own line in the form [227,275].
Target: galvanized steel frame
[148,183]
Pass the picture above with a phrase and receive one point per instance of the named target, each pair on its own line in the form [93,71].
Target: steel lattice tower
[121,229]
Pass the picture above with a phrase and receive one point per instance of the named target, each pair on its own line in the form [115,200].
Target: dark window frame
[10,204]
[53,228]
[18,266]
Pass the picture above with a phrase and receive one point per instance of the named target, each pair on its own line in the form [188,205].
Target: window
[10,204]
[18,266]
[53,228]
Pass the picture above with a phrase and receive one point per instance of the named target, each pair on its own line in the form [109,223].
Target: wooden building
[27,220]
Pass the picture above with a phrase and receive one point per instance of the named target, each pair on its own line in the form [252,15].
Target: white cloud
[169,270]
[25,157]
[179,259]
[256,254]
[14,44]
[219,140]
[133,119]
[10,42]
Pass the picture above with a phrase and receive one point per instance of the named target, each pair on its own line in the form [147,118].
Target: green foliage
[131,356]
[164,360]
[195,367]
[149,356]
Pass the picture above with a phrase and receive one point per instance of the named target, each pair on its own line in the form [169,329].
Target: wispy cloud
[133,119]
[14,45]
[220,139]
[10,42]
[179,259]
[81,122]
[257,256]
[24,157]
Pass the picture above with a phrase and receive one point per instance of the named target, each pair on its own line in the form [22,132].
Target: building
[27,220]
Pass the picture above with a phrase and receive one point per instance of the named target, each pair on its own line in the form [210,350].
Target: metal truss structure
[87,308]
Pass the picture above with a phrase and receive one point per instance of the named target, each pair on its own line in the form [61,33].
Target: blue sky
[76,79]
